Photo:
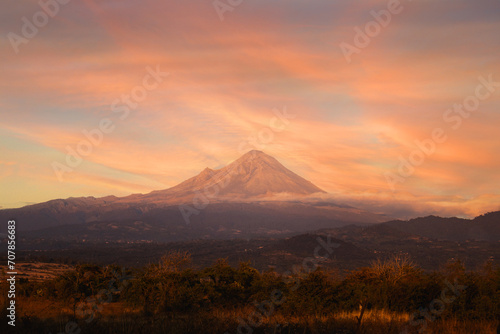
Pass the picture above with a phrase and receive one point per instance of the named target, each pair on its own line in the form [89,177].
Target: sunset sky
[348,123]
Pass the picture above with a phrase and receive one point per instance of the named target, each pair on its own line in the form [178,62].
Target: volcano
[253,175]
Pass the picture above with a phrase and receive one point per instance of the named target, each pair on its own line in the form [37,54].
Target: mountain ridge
[483,227]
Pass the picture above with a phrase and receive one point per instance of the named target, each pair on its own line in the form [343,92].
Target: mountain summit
[255,174]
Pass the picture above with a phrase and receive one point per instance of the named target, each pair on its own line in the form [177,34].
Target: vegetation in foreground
[391,296]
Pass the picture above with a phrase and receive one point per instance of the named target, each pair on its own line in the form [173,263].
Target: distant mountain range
[242,200]
[484,227]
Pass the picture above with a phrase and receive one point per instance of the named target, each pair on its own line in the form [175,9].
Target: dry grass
[38,316]
[39,308]
[40,271]
[455,326]
[374,322]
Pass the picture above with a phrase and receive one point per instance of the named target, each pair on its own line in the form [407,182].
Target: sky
[390,105]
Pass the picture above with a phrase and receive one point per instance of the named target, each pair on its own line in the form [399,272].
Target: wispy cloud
[352,121]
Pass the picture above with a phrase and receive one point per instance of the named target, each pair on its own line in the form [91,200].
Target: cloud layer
[352,125]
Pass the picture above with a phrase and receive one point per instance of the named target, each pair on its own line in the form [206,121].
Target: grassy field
[38,317]
[170,297]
